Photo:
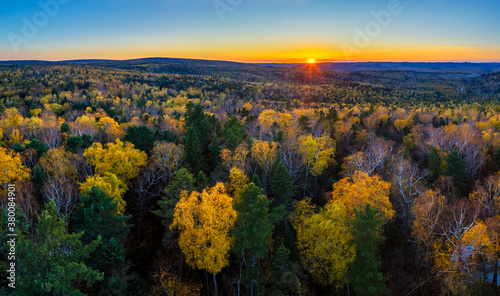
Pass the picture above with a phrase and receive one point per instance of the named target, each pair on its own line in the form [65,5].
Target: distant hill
[185,66]
[469,77]
[472,69]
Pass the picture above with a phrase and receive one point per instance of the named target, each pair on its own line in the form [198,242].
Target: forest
[180,177]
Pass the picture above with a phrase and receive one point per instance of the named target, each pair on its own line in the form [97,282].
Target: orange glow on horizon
[270,54]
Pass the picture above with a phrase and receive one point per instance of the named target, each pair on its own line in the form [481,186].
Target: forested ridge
[185,178]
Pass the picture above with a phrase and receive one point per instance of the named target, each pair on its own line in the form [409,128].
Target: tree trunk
[181,264]
[348,290]
[239,279]
[215,285]
[253,272]
[208,284]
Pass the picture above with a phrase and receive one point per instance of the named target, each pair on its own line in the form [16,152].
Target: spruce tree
[368,280]
[182,180]
[141,136]
[193,151]
[282,185]
[214,153]
[254,226]
[456,168]
[53,262]
[96,217]
[434,163]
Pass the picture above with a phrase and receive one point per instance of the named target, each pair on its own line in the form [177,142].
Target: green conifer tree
[368,280]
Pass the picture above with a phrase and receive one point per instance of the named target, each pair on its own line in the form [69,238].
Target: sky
[252,30]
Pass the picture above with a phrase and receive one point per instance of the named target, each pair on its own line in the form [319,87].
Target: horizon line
[248,62]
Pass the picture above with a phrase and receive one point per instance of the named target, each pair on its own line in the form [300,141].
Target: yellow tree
[109,129]
[12,169]
[463,245]
[237,159]
[62,175]
[205,221]
[237,180]
[427,210]
[317,154]
[487,194]
[15,137]
[83,125]
[119,158]
[324,241]
[356,191]
[265,154]
[109,184]
[167,156]
[493,227]
[266,119]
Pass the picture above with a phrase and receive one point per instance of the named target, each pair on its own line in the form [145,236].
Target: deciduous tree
[110,185]
[324,241]
[205,221]
[361,189]
[12,168]
[119,158]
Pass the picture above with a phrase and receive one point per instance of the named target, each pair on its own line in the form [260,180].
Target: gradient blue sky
[255,30]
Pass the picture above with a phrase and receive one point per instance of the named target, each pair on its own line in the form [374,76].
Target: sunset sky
[252,30]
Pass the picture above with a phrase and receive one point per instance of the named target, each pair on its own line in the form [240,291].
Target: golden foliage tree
[324,241]
[317,153]
[237,159]
[12,167]
[237,181]
[361,189]
[205,221]
[109,184]
[463,245]
[61,179]
[265,154]
[109,129]
[427,210]
[119,158]
[168,156]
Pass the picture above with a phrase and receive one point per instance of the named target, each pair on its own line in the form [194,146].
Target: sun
[312,61]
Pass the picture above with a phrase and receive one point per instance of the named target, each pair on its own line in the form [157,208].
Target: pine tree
[196,118]
[284,274]
[214,153]
[231,139]
[193,151]
[182,180]
[434,163]
[96,217]
[367,278]
[254,226]
[256,180]
[282,186]
[54,261]
[141,136]
[456,168]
